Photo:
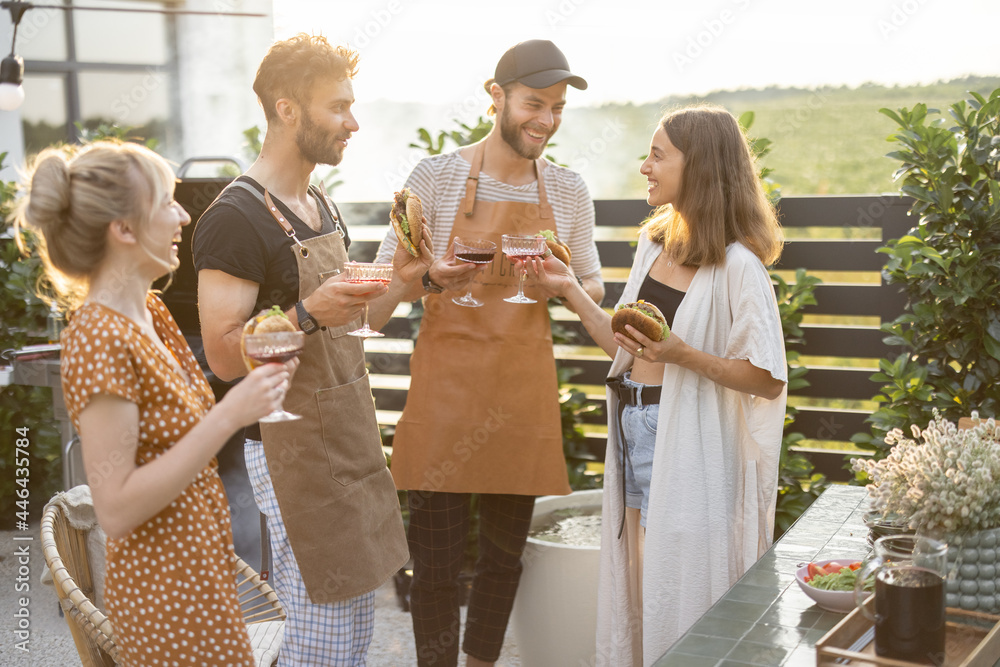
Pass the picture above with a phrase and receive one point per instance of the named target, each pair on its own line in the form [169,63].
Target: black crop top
[664,297]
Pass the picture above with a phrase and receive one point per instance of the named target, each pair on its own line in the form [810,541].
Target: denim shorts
[639,426]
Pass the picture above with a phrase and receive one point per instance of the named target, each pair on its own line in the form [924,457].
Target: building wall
[211,99]
[217,59]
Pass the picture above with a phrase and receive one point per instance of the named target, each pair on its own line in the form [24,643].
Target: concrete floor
[51,645]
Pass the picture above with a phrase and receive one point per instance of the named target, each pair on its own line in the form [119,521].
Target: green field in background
[827,141]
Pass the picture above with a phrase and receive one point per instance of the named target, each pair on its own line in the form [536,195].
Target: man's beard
[317,145]
[511,133]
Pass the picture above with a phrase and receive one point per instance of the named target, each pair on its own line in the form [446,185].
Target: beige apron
[335,493]
[482,412]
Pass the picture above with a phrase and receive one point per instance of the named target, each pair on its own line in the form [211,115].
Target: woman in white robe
[722,371]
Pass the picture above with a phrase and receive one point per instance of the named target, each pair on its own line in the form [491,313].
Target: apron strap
[285,225]
[273,210]
[472,181]
[334,213]
[544,208]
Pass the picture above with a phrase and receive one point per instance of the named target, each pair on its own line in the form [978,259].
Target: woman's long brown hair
[721,198]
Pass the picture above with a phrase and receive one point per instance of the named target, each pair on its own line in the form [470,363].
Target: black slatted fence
[832,237]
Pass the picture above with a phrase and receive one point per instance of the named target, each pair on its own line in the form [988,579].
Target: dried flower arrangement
[945,480]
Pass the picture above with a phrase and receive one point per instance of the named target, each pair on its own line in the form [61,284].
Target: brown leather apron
[482,412]
[335,493]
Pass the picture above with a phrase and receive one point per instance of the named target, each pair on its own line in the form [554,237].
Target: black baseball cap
[536,63]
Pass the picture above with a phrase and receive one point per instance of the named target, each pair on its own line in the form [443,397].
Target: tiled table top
[765,619]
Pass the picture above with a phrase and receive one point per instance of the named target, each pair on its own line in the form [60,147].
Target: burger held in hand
[556,247]
[267,321]
[644,318]
[406,218]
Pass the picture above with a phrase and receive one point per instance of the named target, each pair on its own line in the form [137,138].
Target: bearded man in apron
[270,239]
[482,413]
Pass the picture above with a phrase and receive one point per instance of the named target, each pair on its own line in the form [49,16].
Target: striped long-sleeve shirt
[439,181]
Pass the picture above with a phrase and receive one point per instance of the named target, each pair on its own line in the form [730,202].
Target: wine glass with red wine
[275,347]
[367,272]
[474,251]
[524,248]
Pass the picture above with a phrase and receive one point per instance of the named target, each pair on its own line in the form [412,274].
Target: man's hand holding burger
[410,268]
[413,252]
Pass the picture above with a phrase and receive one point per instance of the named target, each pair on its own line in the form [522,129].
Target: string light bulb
[11,76]
[12,67]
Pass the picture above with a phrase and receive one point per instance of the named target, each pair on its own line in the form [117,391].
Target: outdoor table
[43,371]
[765,619]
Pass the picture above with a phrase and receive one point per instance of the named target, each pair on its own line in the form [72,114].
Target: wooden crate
[972,640]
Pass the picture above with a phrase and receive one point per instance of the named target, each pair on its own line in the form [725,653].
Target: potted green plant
[943,480]
[947,266]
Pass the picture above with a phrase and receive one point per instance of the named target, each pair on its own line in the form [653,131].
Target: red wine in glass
[267,356]
[474,251]
[476,257]
[273,347]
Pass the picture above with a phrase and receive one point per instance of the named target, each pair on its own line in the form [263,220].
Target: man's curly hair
[292,67]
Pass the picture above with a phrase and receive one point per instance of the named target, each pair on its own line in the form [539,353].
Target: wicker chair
[65,550]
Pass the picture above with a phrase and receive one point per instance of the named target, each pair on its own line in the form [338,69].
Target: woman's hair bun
[49,204]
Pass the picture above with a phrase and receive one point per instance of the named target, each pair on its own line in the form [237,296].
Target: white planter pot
[555,612]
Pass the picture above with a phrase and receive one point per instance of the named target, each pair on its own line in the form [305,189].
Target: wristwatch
[307,322]
[430,285]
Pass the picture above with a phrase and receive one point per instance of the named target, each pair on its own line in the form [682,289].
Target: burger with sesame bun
[406,218]
[644,317]
[267,321]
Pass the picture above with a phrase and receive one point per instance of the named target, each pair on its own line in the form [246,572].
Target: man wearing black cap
[482,413]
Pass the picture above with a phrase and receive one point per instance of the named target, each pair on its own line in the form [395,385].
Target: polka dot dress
[170,587]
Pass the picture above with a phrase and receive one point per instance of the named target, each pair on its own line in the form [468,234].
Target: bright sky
[643,50]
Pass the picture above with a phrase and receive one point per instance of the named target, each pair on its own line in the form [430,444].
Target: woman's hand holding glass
[520,249]
[552,278]
[270,349]
[260,393]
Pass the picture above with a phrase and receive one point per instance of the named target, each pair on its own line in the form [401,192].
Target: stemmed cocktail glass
[523,248]
[474,251]
[273,347]
[367,272]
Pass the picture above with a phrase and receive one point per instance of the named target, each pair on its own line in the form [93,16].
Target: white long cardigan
[715,466]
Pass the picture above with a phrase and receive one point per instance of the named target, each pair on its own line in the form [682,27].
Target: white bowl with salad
[830,583]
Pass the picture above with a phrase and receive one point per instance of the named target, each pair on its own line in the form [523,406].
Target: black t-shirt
[239,236]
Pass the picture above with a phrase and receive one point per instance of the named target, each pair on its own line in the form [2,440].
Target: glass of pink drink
[367,272]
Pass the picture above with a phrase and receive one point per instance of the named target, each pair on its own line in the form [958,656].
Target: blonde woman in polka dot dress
[142,406]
